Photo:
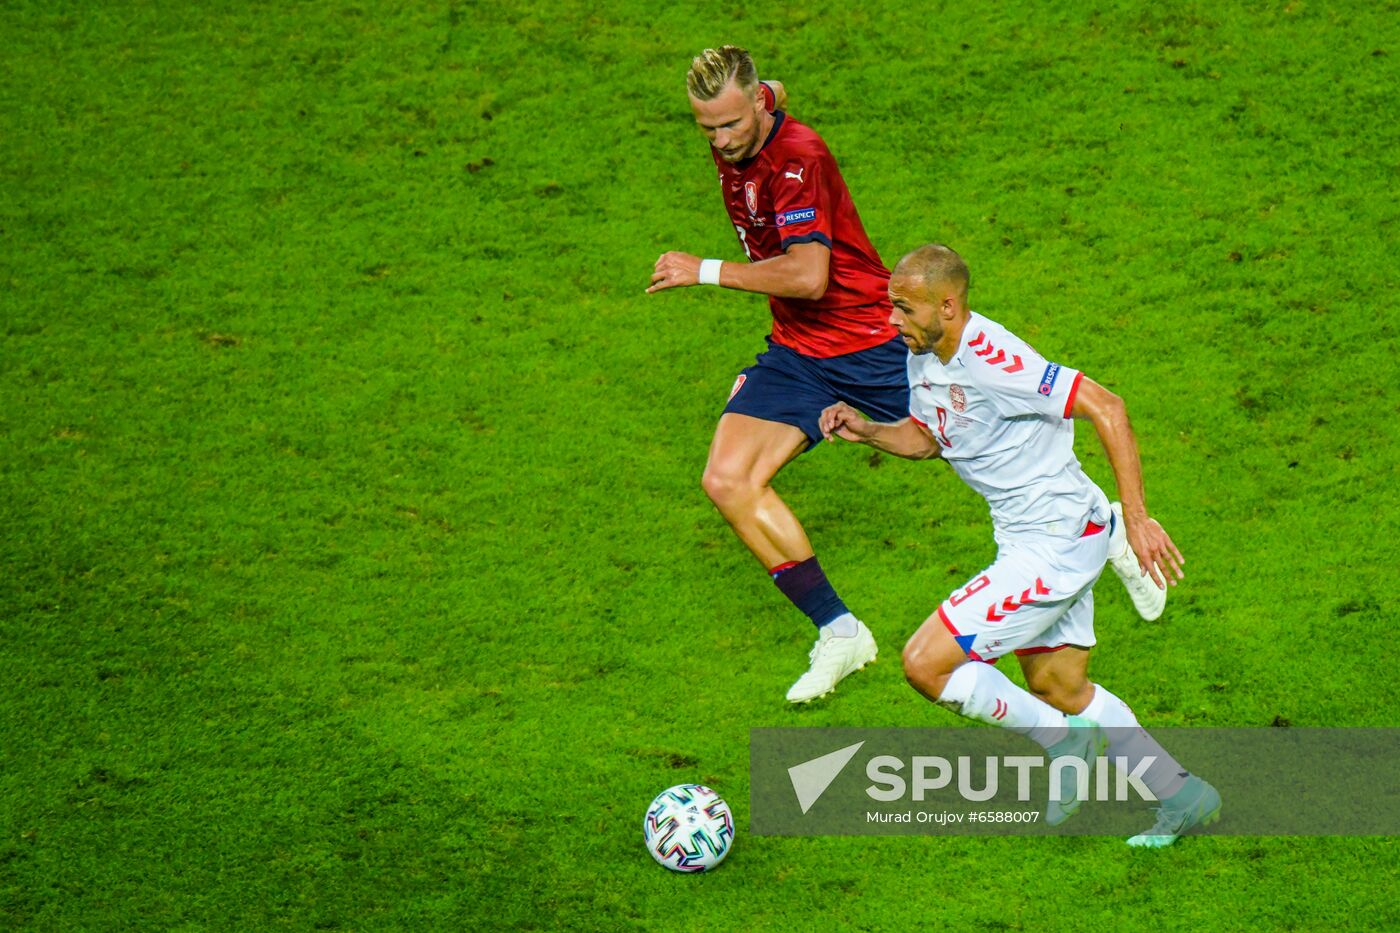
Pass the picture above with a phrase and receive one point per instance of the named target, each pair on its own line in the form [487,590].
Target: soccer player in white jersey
[1001,416]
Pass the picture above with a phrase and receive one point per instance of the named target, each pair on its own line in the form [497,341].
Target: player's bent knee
[925,668]
[724,487]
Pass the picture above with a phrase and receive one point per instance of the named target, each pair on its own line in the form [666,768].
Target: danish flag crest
[958,398]
[751,196]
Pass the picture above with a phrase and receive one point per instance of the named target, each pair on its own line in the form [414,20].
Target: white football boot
[1148,599]
[833,657]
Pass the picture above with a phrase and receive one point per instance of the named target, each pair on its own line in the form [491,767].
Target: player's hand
[1157,555]
[843,421]
[779,93]
[674,270]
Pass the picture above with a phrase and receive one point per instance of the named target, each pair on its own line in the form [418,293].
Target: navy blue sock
[806,585]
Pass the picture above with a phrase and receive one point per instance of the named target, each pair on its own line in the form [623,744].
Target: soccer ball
[688,828]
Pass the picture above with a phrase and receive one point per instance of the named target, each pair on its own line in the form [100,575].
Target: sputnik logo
[811,778]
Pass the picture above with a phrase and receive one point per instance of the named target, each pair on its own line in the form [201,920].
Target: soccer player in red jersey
[831,339]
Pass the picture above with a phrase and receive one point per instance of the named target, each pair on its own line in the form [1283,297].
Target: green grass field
[356,572]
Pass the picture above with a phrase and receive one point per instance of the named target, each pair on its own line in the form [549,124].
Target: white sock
[843,626]
[981,692]
[1126,739]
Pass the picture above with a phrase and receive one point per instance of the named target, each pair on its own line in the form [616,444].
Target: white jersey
[1001,414]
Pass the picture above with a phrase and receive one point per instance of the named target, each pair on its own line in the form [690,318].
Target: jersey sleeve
[1019,380]
[803,200]
[770,100]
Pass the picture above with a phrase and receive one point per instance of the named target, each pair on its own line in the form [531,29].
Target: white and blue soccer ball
[688,828]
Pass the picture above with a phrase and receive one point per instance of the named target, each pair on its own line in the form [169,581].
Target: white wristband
[709,271]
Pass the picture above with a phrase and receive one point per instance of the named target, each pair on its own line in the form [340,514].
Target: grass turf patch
[357,572]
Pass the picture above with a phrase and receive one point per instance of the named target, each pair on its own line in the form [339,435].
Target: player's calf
[1068,698]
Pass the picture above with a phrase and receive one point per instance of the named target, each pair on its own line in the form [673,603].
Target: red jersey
[792,192]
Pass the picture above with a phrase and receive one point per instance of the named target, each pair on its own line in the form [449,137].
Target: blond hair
[712,69]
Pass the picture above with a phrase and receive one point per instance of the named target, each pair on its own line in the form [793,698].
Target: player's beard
[749,148]
[738,153]
[923,340]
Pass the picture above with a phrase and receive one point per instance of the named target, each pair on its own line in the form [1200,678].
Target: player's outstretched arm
[905,438]
[1149,540]
[801,272]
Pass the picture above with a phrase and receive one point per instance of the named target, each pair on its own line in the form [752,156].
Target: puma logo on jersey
[797,174]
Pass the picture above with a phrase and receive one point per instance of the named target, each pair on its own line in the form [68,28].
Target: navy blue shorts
[787,387]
